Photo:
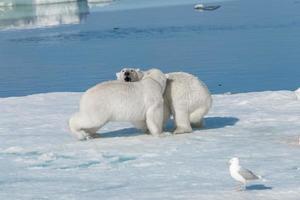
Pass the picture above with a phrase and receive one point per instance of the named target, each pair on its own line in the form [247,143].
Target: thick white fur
[187,98]
[138,102]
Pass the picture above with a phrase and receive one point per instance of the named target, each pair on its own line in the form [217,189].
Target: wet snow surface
[39,159]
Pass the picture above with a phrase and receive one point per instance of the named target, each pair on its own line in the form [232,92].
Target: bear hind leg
[196,118]
[92,132]
[182,122]
[141,125]
[83,128]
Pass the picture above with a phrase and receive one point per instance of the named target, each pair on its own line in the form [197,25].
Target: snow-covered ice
[39,159]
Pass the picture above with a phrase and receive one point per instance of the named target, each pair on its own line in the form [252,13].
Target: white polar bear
[138,102]
[186,97]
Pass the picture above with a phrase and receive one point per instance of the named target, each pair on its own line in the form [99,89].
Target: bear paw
[182,130]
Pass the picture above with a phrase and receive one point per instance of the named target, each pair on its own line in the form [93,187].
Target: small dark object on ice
[203,7]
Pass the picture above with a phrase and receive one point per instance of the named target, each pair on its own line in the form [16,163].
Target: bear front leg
[155,118]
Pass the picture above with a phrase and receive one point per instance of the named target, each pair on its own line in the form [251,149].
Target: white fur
[188,99]
[138,102]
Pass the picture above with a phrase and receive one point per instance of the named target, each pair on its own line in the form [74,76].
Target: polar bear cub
[138,102]
[187,98]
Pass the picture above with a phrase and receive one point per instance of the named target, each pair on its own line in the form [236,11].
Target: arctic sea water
[242,46]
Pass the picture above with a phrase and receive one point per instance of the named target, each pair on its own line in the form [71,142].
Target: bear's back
[185,88]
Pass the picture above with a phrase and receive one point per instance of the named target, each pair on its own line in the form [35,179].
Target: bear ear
[167,75]
[137,69]
[118,75]
[140,74]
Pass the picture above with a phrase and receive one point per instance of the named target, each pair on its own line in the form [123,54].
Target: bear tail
[72,122]
[74,126]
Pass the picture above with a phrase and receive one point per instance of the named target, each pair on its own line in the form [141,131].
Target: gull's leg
[243,187]
[238,187]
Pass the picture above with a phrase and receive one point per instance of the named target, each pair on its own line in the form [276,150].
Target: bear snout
[126,73]
[127,79]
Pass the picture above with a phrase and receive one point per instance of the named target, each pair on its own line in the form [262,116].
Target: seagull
[241,174]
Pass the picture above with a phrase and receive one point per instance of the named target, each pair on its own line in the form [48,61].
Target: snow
[39,159]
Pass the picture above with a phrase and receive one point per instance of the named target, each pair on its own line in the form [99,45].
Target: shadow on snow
[210,123]
[126,132]
[219,122]
[258,187]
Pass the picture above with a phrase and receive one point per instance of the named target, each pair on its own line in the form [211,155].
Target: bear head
[130,75]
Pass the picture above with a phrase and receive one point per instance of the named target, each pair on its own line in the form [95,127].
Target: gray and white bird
[241,174]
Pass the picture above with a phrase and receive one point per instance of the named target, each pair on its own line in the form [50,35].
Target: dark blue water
[241,47]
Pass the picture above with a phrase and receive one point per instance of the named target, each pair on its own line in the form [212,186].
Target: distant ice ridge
[43,15]
[24,14]
[4,3]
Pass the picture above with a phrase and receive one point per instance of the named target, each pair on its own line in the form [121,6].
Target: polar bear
[186,97]
[138,102]
[133,75]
